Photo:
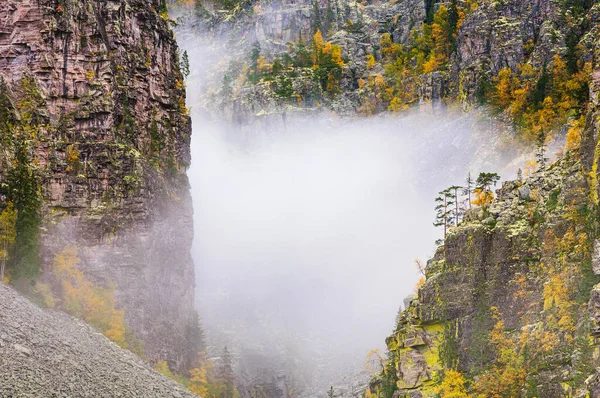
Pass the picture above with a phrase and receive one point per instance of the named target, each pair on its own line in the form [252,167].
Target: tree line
[452,202]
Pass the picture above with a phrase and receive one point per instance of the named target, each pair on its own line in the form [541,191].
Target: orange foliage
[482,197]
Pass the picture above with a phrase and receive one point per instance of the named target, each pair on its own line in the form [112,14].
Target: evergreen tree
[316,17]
[453,19]
[330,18]
[23,191]
[454,198]
[483,188]
[444,212]
[185,64]
[226,375]
[540,153]
[468,189]
[331,392]
[486,180]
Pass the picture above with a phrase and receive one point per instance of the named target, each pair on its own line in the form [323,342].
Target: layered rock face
[513,279]
[511,300]
[97,87]
[490,36]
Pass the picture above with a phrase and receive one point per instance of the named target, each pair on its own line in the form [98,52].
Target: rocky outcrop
[510,277]
[47,353]
[491,35]
[97,104]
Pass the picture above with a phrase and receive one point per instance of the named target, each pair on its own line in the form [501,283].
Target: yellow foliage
[163,367]
[379,83]
[336,55]
[396,105]
[482,197]
[83,299]
[420,283]
[45,292]
[507,375]
[262,65]
[574,134]
[531,167]
[8,231]
[504,84]
[72,154]
[453,385]
[432,64]
[374,362]
[370,61]
[318,44]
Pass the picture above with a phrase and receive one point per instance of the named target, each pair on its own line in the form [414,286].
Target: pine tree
[444,212]
[316,17]
[454,197]
[185,64]
[330,18]
[331,392]
[483,188]
[468,189]
[541,151]
[226,375]
[486,180]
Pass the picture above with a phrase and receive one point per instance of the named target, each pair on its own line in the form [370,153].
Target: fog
[306,231]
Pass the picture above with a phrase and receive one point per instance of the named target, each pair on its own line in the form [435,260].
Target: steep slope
[46,353]
[505,302]
[95,143]
[510,303]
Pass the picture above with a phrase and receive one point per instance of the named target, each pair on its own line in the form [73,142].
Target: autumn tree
[83,299]
[374,362]
[8,234]
[327,62]
[483,188]
[200,382]
[453,385]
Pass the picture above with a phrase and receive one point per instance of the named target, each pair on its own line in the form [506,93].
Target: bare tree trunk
[456,206]
[445,215]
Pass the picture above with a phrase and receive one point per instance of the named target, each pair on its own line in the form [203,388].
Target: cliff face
[95,123]
[506,297]
[510,302]
[386,49]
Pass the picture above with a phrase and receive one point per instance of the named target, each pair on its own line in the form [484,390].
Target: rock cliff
[95,144]
[510,302]
[386,48]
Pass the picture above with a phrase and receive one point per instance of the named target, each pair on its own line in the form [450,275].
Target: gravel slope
[47,353]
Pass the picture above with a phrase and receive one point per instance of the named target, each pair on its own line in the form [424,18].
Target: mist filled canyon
[308,224]
[300,198]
